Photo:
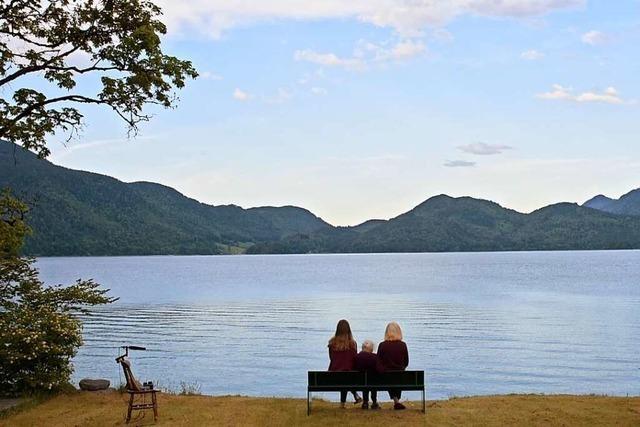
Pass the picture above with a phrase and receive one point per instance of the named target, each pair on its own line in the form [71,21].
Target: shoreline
[527,251]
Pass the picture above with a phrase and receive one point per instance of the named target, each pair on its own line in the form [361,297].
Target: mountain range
[74,212]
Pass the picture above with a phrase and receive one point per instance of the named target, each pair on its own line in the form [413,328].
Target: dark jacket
[393,355]
[342,360]
[368,362]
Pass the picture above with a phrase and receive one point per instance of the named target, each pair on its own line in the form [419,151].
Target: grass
[108,409]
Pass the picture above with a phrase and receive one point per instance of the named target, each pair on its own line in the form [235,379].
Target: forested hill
[81,213]
[447,224]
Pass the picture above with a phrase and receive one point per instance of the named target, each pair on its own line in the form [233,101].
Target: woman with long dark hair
[342,355]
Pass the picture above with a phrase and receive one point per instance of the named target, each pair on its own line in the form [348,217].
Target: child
[367,361]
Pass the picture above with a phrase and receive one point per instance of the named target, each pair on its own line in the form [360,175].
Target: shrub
[39,328]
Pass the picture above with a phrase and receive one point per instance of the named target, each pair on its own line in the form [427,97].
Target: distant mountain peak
[439,197]
[446,201]
[600,198]
[628,204]
[631,194]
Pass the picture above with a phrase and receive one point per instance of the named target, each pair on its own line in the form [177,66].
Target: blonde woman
[394,356]
[342,355]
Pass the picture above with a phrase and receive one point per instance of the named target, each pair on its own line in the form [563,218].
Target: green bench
[324,381]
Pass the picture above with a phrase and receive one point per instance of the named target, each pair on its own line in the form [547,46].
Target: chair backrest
[132,383]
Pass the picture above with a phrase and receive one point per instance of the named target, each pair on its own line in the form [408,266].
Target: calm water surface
[477,323]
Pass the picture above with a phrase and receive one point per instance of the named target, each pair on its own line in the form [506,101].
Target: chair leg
[424,403]
[155,406]
[308,403]
[130,408]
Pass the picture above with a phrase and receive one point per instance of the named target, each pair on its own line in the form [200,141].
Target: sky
[364,109]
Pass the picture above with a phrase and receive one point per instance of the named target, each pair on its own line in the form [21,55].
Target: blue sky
[364,109]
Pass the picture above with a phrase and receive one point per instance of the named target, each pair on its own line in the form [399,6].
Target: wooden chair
[136,390]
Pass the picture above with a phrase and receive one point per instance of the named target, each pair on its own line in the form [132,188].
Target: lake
[477,323]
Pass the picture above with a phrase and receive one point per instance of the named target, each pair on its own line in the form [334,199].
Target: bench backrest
[346,378]
[396,379]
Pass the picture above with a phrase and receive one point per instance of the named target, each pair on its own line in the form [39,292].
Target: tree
[39,328]
[54,43]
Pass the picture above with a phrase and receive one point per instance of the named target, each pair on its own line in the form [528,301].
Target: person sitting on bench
[342,355]
[367,361]
[394,356]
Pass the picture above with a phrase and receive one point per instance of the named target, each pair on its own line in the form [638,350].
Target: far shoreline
[334,253]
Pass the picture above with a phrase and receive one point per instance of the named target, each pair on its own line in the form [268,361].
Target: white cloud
[241,95]
[406,17]
[63,151]
[208,75]
[594,38]
[558,92]
[484,149]
[364,55]
[407,49]
[459,164]
[282,96]
[443,36]
[531,55]
[609,96]
[328,59]
[318,90]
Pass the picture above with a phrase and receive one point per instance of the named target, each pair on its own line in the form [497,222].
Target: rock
[6,404]
[88,384]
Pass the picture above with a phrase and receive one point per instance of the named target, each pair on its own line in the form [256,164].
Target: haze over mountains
[82,213]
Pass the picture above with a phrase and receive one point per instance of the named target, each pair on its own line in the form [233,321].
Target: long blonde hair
[343,339]
[393,332]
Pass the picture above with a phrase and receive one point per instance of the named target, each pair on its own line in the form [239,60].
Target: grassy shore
[108,409]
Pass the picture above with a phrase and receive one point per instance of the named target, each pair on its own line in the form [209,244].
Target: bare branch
[85,70]
[31,108]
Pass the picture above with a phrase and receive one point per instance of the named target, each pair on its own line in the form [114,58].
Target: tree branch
[29,110]
[94,67]
[28,40]
[32,68]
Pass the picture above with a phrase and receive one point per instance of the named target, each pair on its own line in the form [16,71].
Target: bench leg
[424,403]
[308,403]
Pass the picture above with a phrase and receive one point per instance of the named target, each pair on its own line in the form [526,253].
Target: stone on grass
[88,384]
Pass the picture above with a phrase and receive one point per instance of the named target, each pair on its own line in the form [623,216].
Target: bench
[323,381]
